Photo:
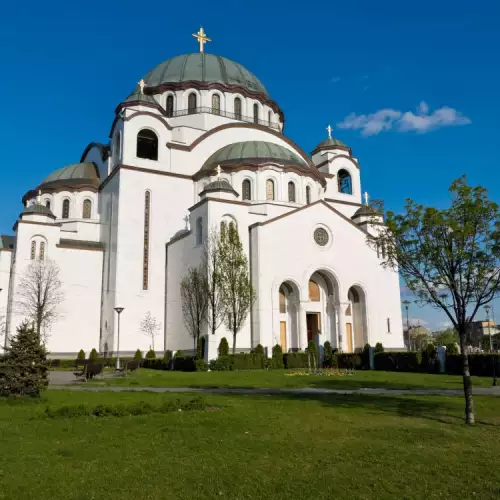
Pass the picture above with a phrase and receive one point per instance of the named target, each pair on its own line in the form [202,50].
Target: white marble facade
[115,222]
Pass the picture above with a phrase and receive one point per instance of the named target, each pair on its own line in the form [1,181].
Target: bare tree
[212,266]
[39,294]
[194,302]
[237,292]
[150,327]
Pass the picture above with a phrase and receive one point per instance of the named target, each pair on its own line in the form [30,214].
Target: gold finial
[202,37]
[219,171]
[365,196]
[142,84]
[329,130]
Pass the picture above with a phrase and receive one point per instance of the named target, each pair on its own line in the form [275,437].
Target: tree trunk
[234,342]
[469,403]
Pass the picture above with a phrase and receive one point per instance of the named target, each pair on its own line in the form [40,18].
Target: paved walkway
[66,381]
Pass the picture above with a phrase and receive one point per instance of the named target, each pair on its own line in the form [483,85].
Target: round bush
[93,356]
[151,354]
[223,347]
[259,350]
[138,355]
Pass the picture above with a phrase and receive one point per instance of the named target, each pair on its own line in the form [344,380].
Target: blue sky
[411,87]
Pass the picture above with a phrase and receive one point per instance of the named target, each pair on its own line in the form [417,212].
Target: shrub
[200,365]
[223,347]
[260,350]
[327,355]
[155,364]
[349,361]
[313,354]
[452,349]
[93,356]
[296,360]
[24,367]
[379,347]
[81,354]
[250,361]
[179,354]
[480,365]
[365,357]
[277,359]
[429,359]
[399,361]
[138,355]
[221,364]
[184,364]
[151,354]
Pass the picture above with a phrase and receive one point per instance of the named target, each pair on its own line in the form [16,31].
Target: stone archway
[358,317]
[289,305]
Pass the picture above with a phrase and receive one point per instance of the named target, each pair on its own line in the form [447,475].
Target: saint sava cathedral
[200,142]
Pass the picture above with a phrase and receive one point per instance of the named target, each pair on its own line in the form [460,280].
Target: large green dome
[78,173]
[205,68]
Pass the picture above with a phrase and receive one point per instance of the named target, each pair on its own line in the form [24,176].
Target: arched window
[314,293]
[344,182]
[145,255]
[33,250]
[87,209]
[246,189]
[269,117]
[282,301]
[65,209]
[308,194]
[42,250]
[199,231]
[237,108]
[222,226]
[170,106]
[47,204]
[216,104]
[291,192]
[192,103]
[269,189]
[118,147]
[256,113]
[147,145]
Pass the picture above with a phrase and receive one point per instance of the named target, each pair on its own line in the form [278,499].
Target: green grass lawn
[252,447]
[282,379]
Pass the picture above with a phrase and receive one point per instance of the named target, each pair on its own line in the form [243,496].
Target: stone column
[302,326]
[342,342]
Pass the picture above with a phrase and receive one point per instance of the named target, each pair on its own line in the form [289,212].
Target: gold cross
[202,37]
[329,130]
[365,196]
[142,84]
[219,171]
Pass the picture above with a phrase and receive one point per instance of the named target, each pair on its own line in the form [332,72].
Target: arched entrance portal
[289,300]
[321,323]
[356,324]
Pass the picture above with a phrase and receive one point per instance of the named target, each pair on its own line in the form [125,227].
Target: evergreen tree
[223,347]
[93,356]
[25,366]
[138,355]
[81,355]
[151,354]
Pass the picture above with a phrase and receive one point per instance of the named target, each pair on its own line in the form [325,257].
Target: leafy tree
[237,292]
[449,258]
[150,327]
[212,266]
[445,337]
[194,303]
[39,294]
[138,355]
[24,368]
[93,356]
[81,355]
[223,347]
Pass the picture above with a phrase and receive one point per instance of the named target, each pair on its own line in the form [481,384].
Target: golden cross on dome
[202,37]
[365,196]
[219,171]
[329,130]
[142,84]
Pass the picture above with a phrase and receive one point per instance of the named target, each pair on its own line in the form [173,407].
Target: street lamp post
[487,308]
[406,303]
[119,310]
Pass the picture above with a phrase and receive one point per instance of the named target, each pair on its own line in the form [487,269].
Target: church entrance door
[348,332]
[313,322]
[283,335]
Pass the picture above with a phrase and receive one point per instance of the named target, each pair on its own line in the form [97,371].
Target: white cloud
[421,122]
[416,321]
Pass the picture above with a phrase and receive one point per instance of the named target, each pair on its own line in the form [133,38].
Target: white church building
[127,220]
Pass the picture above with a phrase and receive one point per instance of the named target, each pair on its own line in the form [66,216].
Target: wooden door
[348,332]
[283,335]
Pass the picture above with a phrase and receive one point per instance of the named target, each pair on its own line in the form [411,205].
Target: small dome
[366,211]
[205,68]
[139,96]
[79,173]
[219,185]
[38,210]
[330,142]
[255,153]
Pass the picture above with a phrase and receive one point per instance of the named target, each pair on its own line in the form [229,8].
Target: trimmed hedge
[349,361]
[296,360]
[480,365]
[70,363]
[398,361]
[243,361]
